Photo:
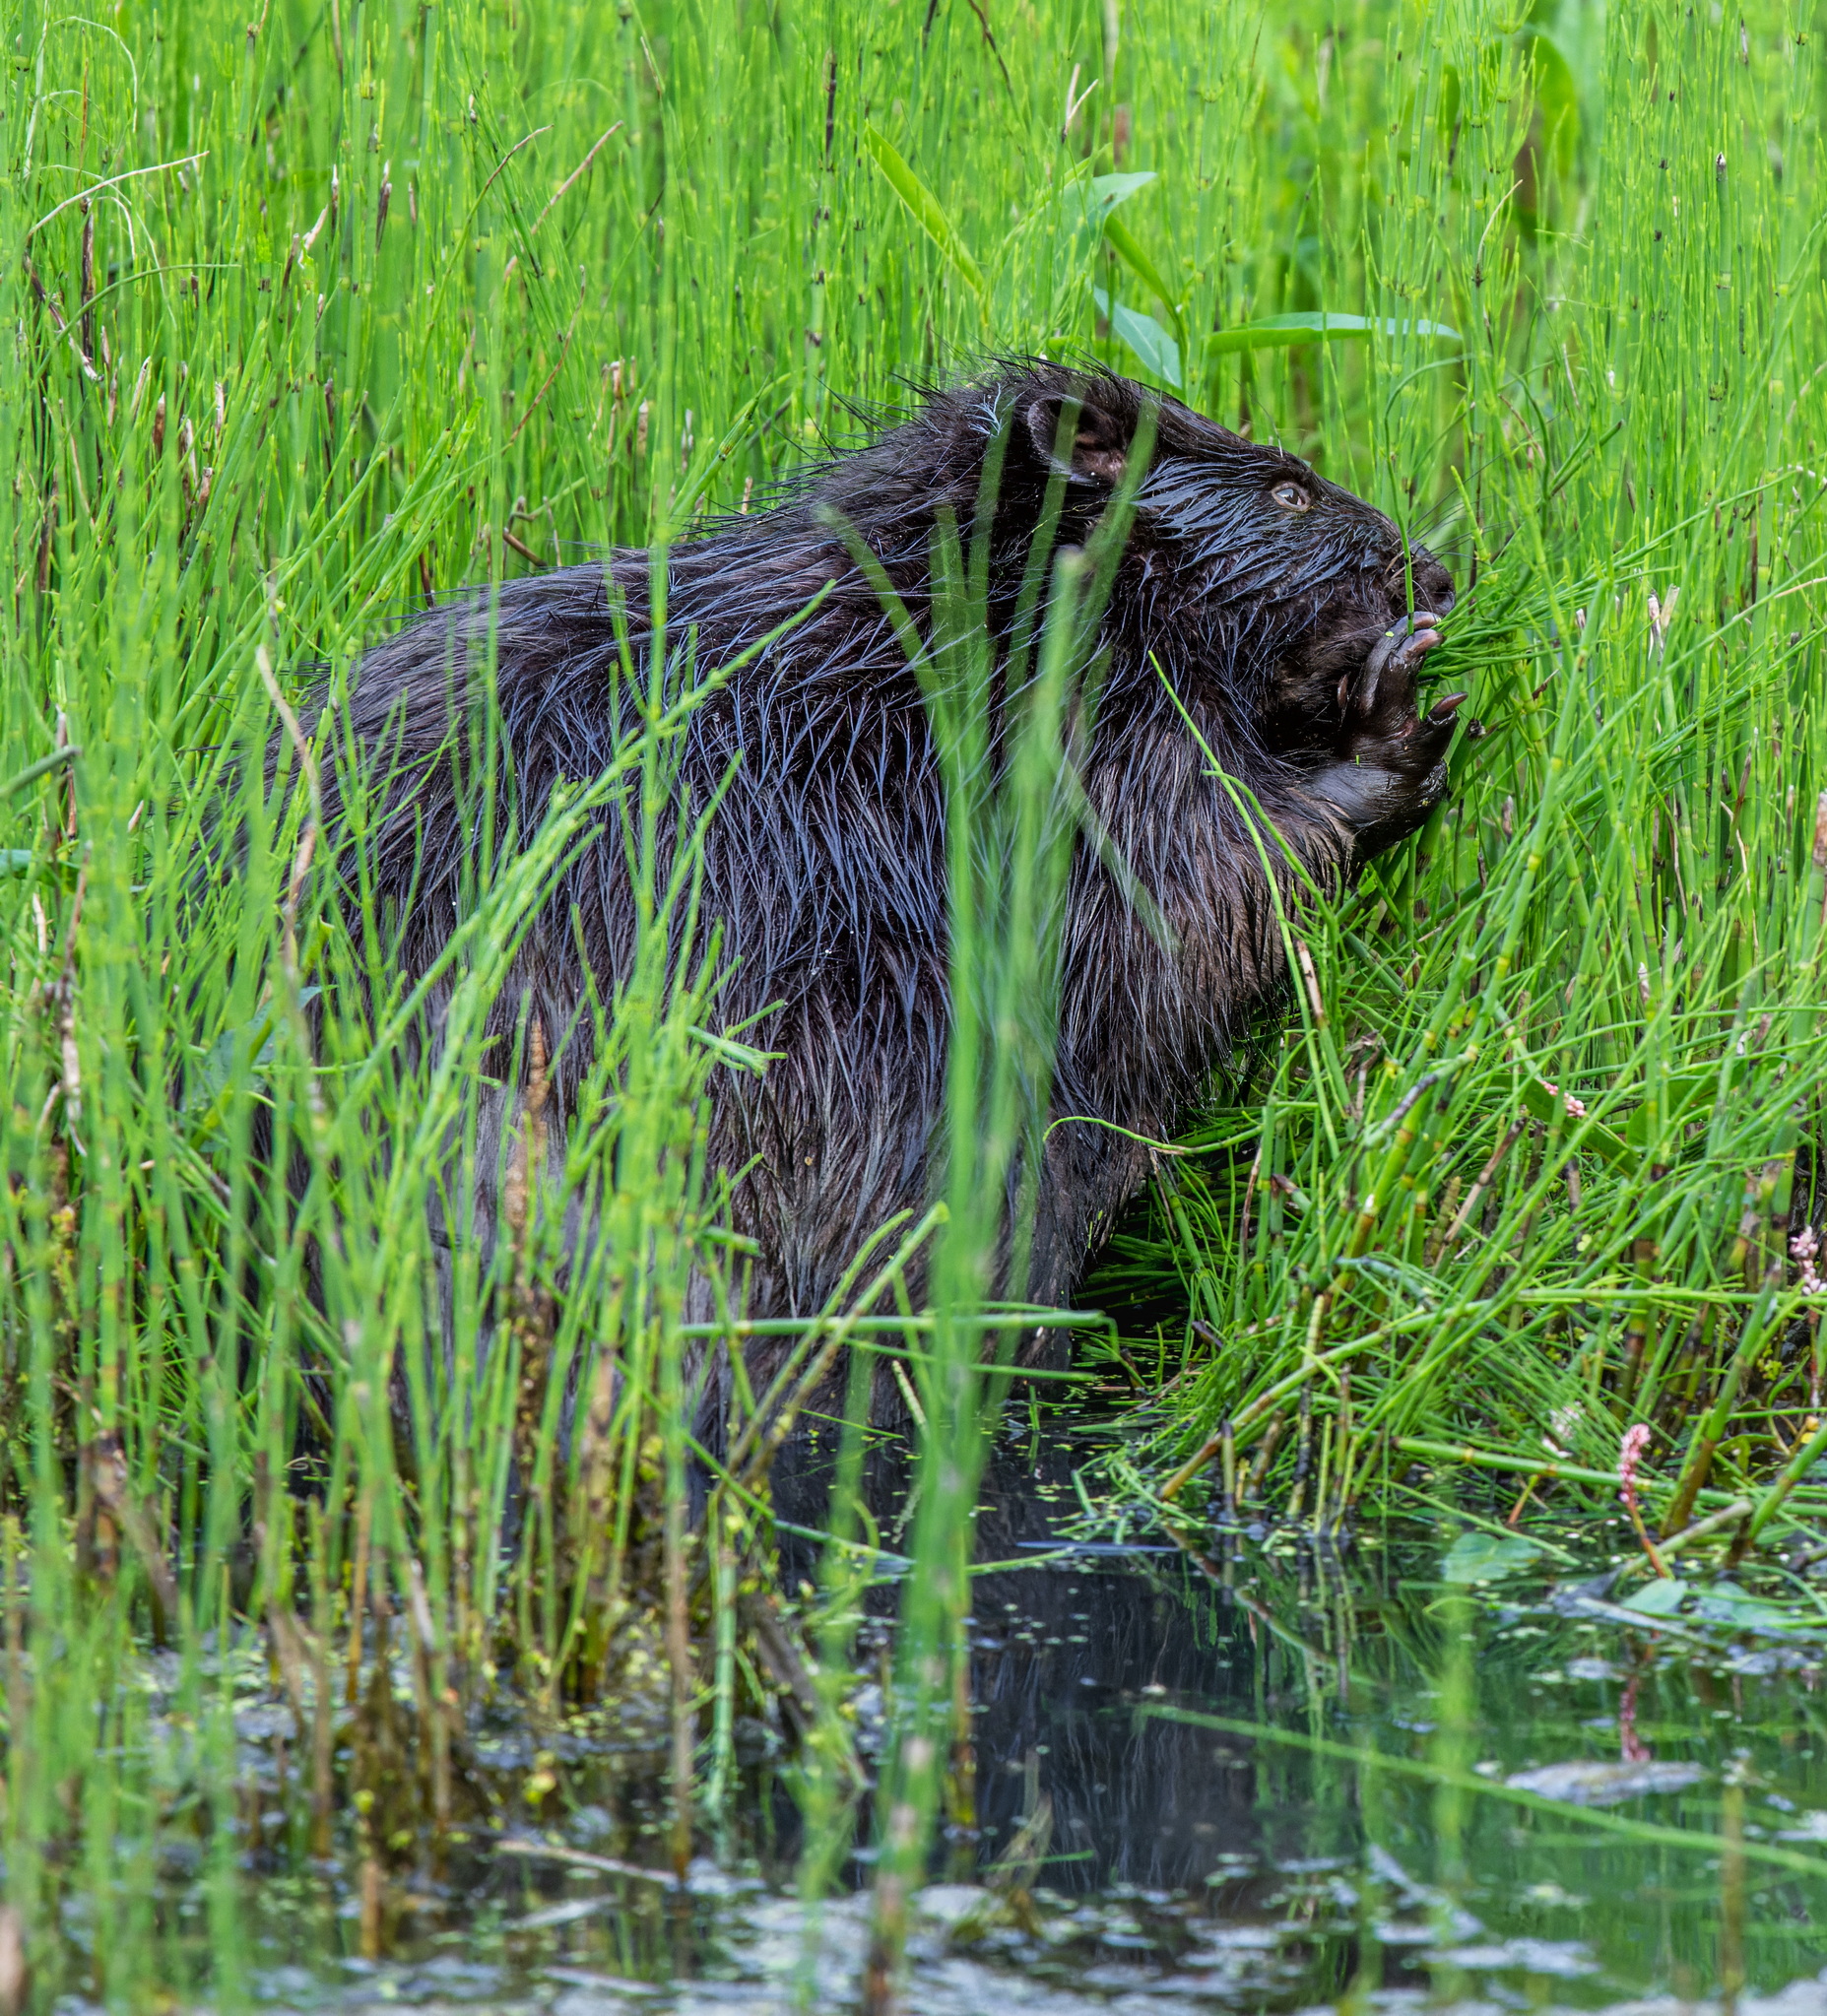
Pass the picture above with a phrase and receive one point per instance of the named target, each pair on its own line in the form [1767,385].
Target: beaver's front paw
[1388,771]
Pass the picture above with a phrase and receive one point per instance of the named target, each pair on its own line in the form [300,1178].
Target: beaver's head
[1247,564]
[1288,613]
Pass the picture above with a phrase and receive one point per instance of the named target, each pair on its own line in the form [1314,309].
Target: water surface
[1342,1841]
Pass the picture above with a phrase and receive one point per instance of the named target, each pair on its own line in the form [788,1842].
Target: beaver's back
[824,866]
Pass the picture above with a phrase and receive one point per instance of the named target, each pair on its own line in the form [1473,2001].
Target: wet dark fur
[825,864]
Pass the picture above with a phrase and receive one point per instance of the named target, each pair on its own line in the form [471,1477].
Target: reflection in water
[1392,1881]
[1069,1657]
[1365,1842]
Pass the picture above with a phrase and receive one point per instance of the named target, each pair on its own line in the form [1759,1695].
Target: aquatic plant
[1536,1160]
[316,314]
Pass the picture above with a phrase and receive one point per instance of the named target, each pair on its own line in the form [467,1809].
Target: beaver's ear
[1079,438]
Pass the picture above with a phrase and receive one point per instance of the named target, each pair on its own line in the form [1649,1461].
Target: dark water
[1188,1868]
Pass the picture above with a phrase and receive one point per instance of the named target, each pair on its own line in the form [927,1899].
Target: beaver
[1288,616]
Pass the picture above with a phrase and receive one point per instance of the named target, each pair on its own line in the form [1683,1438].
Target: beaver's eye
[1292,498]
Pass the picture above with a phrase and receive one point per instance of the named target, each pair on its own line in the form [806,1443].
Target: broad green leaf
[259,1034]
[1110,190]
[15,859]
[1144,336]
[1121,241]
[1724,1603]
[1548,1103]
[1485,1557]
[1681,1089]
[927,211]
[1280,332]
[1662,1598]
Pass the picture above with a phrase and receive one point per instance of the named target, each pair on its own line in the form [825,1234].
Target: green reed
[318,312]
[1525,1169]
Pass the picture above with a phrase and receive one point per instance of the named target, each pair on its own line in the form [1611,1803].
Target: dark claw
[1388,775]
[1403,643]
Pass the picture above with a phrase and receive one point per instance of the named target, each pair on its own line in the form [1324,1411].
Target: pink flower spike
[1802,1250]
[1629,1456]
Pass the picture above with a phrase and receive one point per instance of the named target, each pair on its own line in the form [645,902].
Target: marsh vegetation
[340,1544]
